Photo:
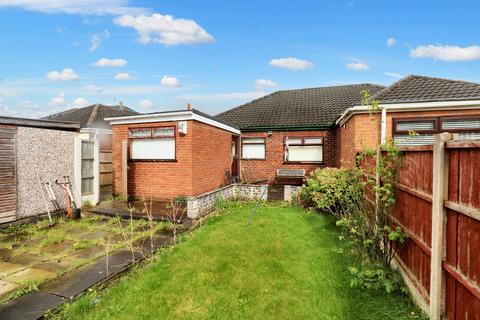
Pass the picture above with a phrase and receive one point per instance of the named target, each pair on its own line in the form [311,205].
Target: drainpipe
[383,134]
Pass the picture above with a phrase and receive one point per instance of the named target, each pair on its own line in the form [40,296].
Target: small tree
[176,213]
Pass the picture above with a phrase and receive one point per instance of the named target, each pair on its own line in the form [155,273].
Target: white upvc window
[420,131]
[152,143]
[253,148]
[308,149]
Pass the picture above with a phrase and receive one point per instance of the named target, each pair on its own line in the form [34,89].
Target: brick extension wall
[202,157]
[274,148]
[363,130]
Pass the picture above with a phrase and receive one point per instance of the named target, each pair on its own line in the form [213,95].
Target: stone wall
[200,205]
[51,154]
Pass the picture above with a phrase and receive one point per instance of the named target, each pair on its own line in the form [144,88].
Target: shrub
[363,209]
[335,191]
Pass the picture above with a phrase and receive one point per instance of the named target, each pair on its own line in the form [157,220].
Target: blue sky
[159,55]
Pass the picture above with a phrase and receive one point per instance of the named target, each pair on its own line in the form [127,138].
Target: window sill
[152,160]
[303,162]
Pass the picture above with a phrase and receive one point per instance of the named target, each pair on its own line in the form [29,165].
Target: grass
[285,265]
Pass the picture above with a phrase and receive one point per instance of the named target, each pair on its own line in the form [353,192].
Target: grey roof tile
[312,107]
[87,120]
[415,88]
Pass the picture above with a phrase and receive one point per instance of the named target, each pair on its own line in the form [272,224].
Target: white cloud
[97,39]
[145,104]
[110,63]
[64,75]
[391,42]
[357,65]
[291,63]
[83,7]
[264,83]
[93,88]
[80,103]
[165,29]
[124,76]
[394,75]
[170,82]
[446,53]
[58,101]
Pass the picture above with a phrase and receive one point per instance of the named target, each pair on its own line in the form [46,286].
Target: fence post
[124,170]
[438,218]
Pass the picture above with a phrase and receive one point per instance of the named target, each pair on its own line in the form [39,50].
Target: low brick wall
[200,205]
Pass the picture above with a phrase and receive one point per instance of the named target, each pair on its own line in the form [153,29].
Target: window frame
[306,145]
[438,124]
[264,143]
[395,121]
[472,117]
[152,129]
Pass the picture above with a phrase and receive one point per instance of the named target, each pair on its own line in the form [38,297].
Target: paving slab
[88,253]
[93,235]
[59,248]
[7,287]
[27,259]
[29,274]
[31,306]
[79,280]
[7,268]
[6,254]
[56,266]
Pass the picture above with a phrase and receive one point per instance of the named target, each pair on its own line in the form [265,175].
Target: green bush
[335,191]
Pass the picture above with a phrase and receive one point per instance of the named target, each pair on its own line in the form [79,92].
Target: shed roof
[40,123]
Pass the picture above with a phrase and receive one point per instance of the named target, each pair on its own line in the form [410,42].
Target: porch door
[8,185]
[234,168]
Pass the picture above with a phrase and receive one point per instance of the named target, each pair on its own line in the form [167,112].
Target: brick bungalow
[419,104]
[187,152]
[292,129]
[166,154]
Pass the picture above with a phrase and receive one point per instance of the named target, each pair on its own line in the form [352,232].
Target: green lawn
[285,265]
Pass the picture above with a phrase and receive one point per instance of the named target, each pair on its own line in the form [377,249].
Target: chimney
[120,105]
[189,106]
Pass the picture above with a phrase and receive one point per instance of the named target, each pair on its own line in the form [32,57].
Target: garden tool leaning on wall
[72,210]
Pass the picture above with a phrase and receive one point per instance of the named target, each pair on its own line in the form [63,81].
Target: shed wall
[51,154]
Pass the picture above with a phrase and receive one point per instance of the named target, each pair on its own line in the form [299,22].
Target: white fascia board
[96,130]
[413,106]
[170,117]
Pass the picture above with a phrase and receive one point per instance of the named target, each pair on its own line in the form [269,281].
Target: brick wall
[363,130]
[194,171]
[211,157]
[274,149]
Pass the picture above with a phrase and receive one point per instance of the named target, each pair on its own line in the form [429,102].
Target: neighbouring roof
[313,107]
[93,116]
[415,88]
[39,123]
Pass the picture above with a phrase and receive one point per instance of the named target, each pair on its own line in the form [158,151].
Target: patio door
[234,167]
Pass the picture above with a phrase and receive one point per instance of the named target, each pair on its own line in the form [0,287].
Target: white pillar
[383,138]
[96,170]
[77,169]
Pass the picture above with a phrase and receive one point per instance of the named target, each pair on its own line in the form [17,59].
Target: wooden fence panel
[106,174]
[413,212]
[8,185]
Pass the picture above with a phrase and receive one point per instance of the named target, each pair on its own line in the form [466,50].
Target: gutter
[286,128]
[412,106]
